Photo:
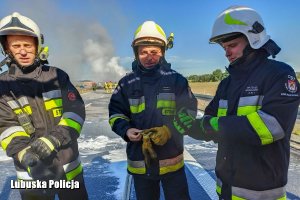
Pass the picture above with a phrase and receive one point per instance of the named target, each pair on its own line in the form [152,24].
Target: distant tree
[216,75]
[225,74]
[298,75]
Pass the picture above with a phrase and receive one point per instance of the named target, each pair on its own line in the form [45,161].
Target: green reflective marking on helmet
[138,30]
[160,30]
[231,21]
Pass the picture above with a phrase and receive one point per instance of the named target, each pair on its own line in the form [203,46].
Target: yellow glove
[159,135]
[147,148]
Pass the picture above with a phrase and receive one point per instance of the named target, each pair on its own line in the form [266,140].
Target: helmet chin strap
[247,51]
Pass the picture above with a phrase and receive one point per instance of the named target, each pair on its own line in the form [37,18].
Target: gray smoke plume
[78,44]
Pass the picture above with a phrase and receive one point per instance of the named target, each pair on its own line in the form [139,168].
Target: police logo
[291,84]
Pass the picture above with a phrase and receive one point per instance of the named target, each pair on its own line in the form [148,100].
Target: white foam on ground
[3,156]
[97,145]
[118,168]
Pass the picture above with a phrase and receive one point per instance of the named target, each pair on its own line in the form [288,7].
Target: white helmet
[149,33]
[16,24]
[240,19]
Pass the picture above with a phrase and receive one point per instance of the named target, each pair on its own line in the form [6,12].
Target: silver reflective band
[251,101]
[166,96]
[276,193]
[272,124]
[51,94]
[72,165]
[223,103]
[13,104]
[136,102]
[23,101]
[74,116]
[23,175]
[10,131]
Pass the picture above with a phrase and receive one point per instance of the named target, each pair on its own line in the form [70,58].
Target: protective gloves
[44,146]
[27,158]
[183,121]
[157,135]
[148,150]
[205,128]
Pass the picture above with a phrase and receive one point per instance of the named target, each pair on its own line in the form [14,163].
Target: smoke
[98,53]
[79,44]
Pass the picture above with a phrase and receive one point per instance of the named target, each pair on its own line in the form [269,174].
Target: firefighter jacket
[257,106]
[149,98]
[55,107]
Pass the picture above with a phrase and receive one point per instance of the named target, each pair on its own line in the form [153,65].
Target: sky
[91,39]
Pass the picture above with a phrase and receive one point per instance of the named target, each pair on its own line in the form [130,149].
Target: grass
[208,88]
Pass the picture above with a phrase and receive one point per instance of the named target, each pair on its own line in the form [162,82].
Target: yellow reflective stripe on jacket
[165,166]
[260,128]
[16,108]
[72,169]
[70,123]
[114,117]
[52,99]
[165,104]
[266,126]
[72,174]
[10,133]
[137,105]
[53,94]
[171,168]
[166,100]
[242,111]
[6,141]
[249,104]
[222,109]
[26,108]
[54,103]
[136,167]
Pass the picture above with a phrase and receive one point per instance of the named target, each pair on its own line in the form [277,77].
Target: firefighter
[145,98]
[253,112]
[41,113]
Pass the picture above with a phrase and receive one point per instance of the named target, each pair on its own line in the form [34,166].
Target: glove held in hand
[44,146]
[27,158]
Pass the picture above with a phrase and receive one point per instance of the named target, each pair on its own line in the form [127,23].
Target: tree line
[215,76]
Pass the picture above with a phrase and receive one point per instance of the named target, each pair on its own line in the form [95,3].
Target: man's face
[149,55]
[234,48]
[23,49]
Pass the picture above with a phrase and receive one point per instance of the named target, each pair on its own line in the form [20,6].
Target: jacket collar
[24,74]
[244,67]
[153,71]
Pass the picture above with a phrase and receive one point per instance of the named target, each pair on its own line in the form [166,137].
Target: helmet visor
[225,37]
[148,41]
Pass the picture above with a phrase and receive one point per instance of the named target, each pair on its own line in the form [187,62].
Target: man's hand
[134,135]
[44,146]
[27,158]
[208,128]
[183,121]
